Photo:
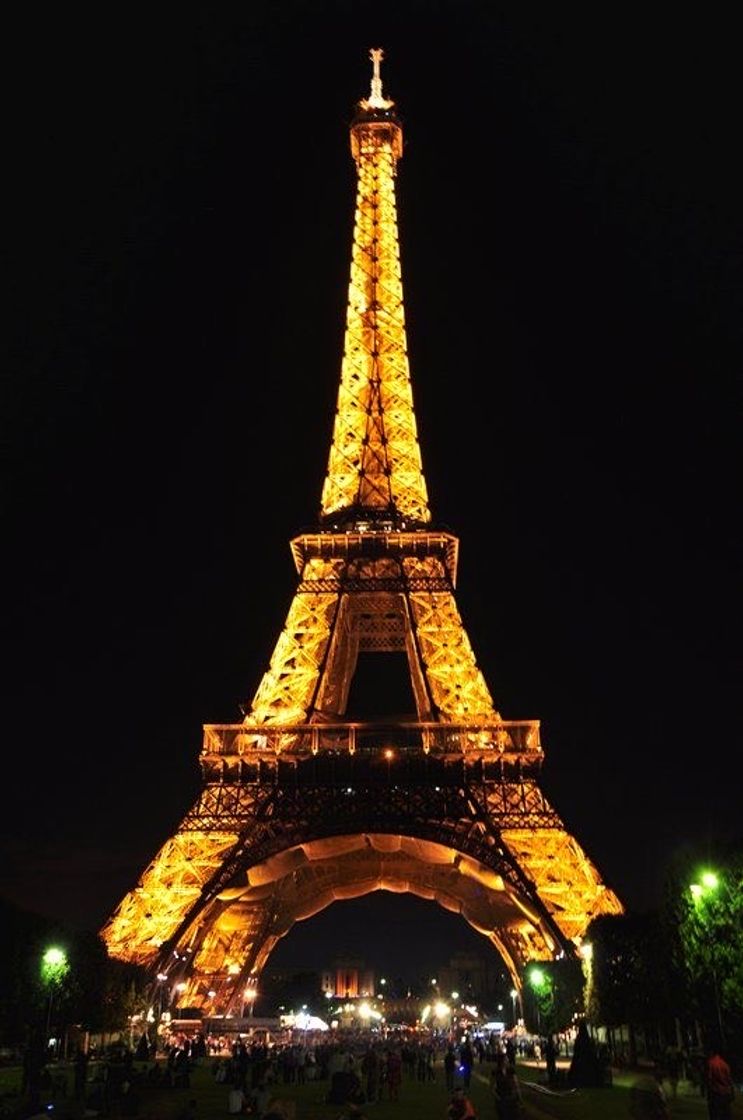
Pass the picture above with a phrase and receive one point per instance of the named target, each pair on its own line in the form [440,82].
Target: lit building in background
[348,979]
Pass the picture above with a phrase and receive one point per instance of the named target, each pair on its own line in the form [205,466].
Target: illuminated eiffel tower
[301,807]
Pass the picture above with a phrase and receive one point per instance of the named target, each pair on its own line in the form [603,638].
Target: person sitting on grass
[647,1101]
[460,1106]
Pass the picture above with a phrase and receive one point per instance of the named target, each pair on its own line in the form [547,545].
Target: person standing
[466,1061]
[394,1074]
[550,1055]
[81,1073]
[673,1065]
[720,1087]
[450,1061]
[370,1070]
[506,1090]
[236,1100]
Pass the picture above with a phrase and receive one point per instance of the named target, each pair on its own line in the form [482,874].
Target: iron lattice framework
[301,807]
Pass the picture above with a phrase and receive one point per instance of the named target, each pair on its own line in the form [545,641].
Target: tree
[632,978]
[662,972]
[709,915]
[557,995]
[22,939]
[94,992]
[54,972]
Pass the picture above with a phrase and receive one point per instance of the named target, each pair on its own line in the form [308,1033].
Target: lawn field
[418,1100]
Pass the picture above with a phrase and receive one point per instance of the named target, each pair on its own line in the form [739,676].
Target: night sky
[178,237]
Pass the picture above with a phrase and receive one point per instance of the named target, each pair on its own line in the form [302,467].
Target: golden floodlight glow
[296,810]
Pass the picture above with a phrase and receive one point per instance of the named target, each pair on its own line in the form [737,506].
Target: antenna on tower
[376,99]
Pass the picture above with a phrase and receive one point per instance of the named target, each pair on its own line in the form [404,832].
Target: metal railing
[513,738]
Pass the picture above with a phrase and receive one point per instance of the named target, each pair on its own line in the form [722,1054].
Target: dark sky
[178,233]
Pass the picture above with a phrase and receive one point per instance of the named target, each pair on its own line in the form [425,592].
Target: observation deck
[371,753]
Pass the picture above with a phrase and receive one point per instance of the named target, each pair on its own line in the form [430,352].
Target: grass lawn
[418,1100]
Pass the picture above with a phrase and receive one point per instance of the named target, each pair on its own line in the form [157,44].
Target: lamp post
[700,893]
[539,981]
[161,978]
[514,993]
[54,968]
[250,994]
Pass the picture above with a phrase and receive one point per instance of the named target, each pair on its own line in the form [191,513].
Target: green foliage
[54,967]
[557,996]
[88,989]
[632,974]
[22,996]
[124,993]
[710,927]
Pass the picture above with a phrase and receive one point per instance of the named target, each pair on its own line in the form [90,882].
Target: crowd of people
[355,1070]
[361,1071]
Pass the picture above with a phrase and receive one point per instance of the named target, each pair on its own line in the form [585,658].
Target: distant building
[479,980]
[475,978]
[348,979]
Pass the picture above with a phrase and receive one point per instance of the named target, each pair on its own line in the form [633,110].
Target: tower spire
[375,473]
[376,99]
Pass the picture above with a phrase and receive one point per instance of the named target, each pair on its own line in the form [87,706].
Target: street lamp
[538,981]
[389,755]
[700,892]
[514,993]
[161,978]
[54,968]
[251,994]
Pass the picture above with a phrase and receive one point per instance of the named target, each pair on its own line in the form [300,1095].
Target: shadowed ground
[418,1100]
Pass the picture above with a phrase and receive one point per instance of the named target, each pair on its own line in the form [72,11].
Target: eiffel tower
[300,806]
